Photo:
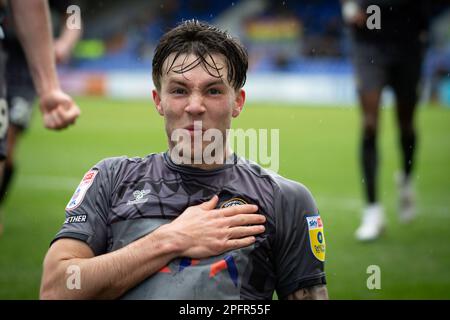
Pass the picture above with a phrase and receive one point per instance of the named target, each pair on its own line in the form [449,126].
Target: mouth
[194,128]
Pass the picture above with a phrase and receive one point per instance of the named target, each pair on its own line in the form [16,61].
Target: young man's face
[196,95]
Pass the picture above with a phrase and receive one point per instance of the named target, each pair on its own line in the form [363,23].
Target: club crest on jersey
[316,236]
[81,190]
[233,202]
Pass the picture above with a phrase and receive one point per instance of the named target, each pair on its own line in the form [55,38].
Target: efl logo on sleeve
[316,236]
[81,190]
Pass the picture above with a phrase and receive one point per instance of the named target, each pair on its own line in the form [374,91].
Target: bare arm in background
[66,41]
[33,26]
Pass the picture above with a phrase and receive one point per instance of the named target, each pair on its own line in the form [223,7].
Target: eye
[179,91]
[214,91]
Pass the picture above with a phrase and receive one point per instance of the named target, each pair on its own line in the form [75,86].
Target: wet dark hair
[202,40]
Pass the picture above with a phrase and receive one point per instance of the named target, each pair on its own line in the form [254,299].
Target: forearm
[110,275]
[318,292]
[201,231]
[33,29]
[69,37]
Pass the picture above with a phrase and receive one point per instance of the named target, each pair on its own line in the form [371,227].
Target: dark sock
[7,177]
[408,145]
[369,166]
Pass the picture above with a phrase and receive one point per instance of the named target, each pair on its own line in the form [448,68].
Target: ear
[238,103]
[157,101]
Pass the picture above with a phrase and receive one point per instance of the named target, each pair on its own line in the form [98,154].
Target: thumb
[210,204]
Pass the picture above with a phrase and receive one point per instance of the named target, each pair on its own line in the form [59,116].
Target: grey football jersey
[123,199]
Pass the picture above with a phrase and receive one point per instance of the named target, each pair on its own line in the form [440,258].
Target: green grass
[318,146]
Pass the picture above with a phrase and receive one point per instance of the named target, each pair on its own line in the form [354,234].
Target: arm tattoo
[318,292]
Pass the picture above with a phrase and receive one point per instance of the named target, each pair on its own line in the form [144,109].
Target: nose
[195,105]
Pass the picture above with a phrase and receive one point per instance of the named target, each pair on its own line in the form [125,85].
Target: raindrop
[232,4]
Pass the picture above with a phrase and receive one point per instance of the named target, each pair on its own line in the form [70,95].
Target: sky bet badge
[316,236]
[83,187]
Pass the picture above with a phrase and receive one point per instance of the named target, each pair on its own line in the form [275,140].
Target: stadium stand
[305,38]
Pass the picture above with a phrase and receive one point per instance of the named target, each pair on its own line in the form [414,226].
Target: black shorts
[3,105]
[379,65]
[21,93]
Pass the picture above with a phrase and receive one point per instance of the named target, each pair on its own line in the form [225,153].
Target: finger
[246,219]
[210,204]
[49,123]
[57,119]
[235,210]
[240,243]
[52,120]
[64,117]
[68,115]
[242,232]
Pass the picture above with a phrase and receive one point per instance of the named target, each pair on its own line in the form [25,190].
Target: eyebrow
[215,83]
[184,83]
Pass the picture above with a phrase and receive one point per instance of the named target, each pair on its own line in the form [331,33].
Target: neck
[205,164]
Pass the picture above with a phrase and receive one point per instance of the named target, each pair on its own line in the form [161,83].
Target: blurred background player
[33,28]
[391,55]
[21,93]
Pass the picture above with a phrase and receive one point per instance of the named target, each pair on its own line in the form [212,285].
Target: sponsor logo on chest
[138,197]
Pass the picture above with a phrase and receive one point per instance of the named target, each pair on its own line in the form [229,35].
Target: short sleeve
[87,210]
[300,240]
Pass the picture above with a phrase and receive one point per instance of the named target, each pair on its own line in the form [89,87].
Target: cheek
[172,109]
[222,113]
[170,116]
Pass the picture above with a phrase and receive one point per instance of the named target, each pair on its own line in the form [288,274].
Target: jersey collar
[193,170]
